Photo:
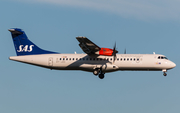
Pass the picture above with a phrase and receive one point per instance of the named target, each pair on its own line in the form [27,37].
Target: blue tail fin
[24,46]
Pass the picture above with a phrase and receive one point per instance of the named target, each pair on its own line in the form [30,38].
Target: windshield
[162,57]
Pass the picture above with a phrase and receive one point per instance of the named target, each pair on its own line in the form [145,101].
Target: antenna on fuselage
[125,51]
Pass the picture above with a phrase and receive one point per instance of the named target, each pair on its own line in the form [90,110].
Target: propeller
[114,53]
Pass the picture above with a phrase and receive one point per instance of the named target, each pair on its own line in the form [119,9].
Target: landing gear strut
[164,72]
[99,72]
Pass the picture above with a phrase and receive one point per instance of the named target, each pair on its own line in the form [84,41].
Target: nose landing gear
[164,72]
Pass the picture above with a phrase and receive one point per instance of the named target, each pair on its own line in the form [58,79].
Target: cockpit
[162,57]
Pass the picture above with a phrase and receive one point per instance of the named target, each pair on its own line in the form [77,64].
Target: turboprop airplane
[96,60]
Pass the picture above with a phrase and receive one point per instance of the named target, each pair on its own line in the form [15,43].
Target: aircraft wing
[87,46]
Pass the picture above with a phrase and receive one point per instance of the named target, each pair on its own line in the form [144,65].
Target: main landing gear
[101,76]
[99,72]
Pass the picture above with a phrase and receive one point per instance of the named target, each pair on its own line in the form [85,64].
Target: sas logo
[26,48]
[158,63]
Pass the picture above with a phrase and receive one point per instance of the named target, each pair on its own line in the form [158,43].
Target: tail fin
[24,46]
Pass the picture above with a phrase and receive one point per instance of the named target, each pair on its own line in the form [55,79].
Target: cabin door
[50,61]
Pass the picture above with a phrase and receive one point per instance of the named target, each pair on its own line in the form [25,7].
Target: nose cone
[173,65]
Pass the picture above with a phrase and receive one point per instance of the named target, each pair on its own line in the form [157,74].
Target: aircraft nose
[173,64]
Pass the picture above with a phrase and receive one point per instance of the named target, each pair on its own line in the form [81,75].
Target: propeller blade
[114,58]
[114,52]
[114,46]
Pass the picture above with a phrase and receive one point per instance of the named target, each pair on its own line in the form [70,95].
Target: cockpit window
[162,57]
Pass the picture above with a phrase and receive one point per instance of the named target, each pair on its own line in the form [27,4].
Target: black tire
[164,74]
[101,76]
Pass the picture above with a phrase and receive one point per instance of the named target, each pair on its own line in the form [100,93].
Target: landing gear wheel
[164,74]
[96,72]
[101,76]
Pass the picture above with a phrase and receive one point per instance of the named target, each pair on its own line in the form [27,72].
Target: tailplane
[24,46]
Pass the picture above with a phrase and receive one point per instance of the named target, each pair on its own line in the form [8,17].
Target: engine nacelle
[108,67]
[105,52]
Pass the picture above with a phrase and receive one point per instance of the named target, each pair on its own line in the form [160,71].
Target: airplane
[96,59]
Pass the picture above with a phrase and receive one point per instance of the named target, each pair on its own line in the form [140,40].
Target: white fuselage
[149,62]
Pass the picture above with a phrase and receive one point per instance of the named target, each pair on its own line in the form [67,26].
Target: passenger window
[121,59]
[63,58]
[94,59]
[137,59]
[131,59]
[66,58]
[73,58]
[60,59]
[111,59]
[159,57]
[134,59]
[86,58]
[124,59]
[76,58]
[69,58]
[118,59]
[127,59]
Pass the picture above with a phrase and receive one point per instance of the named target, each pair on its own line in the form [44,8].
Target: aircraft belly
[85,66]
[139,66]
[140,69]
[67,65]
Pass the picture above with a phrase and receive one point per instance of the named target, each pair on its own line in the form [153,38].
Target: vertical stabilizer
[23,45]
